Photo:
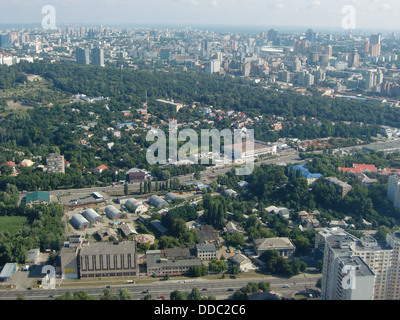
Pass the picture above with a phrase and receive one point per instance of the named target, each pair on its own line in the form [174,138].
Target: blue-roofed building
[305,173]
[7,271]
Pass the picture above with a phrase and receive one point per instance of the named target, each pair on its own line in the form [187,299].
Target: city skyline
[370,14]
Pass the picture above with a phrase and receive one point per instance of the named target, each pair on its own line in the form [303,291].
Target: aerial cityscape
[171,157]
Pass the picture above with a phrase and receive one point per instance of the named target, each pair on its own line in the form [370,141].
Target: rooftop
[305,173]
[41,196]
[102,248]
[270,243]
[8,270]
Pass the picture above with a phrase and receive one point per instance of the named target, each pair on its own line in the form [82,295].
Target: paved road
[218,288]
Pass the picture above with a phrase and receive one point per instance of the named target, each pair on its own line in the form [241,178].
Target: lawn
[12,224]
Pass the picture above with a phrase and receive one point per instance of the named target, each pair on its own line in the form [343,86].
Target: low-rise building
[7,272]
[305,173]
[113,213]
[68,260]
[284,246]
[158,202]
[33,257]
[37,197]
[206,251]
[342,188]
[105,233]
[159,226]
[243,262]
[79,222]
[92,216]
[159,265]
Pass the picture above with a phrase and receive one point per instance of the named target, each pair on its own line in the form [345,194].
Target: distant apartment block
[98,57]
[82,56]
[55,163]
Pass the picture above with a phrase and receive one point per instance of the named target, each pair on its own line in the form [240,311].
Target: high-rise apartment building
[98,57]
[82,56]
[359,269]
[5,41]
[310,35]
[214,66]
[370,80]
[354,61]
[375,45]
[394,190]
[55,163]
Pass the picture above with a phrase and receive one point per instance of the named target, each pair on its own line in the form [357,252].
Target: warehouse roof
[8,270]
[108,248]
[41,196]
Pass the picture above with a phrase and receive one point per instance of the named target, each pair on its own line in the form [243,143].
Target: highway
[218,288]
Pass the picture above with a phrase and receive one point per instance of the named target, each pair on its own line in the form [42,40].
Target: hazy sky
[370,14]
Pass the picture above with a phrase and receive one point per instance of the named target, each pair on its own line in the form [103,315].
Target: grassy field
[11,224]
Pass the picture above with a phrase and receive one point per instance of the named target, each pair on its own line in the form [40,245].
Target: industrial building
[67,259]
[7,271]
[158,201]
[135,206]
[104,259]
[160,264]
[79,222]
[172,196]
[113,213]
[92,216]
[37,197]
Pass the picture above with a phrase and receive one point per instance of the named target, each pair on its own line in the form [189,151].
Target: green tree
[194,295]
[126,189]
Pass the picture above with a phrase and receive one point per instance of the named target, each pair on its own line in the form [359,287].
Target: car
[108,287]
[145,291]
[204,289]
[51,296]
[286,286]
[230,289]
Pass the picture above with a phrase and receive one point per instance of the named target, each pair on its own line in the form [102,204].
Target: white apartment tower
[374,264]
